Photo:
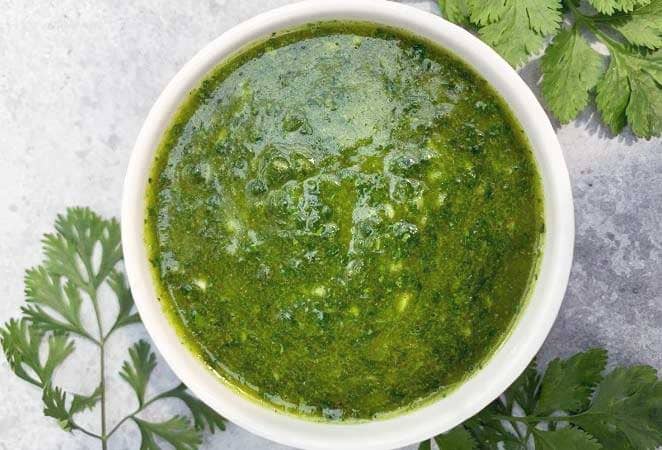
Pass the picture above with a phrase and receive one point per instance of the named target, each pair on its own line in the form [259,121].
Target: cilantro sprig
[627,83]
[572,406]
[80,258]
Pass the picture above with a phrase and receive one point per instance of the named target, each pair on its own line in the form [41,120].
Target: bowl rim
[517,349]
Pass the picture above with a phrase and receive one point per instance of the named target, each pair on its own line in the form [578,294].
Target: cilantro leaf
[21,343]
[54,400]
[456,439]
[564,439]
[80,256]
[425,445]
[55,405]
[175,431]
[515,28]
[524,390]
[81,402]
[139,369]
[613,96]
[570,69]
[45,291]
[490,432]
[125,315]
[626,409]
[568,385]
[611,6]
[632,91]
[455,11]
[81,235]
[203,415]
[643,26]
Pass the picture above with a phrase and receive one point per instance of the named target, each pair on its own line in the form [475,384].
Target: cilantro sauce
[344,221]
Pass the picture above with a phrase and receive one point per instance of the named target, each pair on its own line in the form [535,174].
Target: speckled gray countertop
[77,78]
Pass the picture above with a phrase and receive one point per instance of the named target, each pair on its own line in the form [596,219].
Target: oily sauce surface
[344,220]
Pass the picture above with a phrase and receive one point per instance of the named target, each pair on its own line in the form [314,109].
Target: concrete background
[77,78]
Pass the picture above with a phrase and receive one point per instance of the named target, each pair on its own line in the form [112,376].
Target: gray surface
[76,82]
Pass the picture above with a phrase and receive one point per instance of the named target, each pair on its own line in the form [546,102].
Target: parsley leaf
[175,431]
[137,371]
[611,6]
[515,28]
[568,385]
[566,439]
[570,70]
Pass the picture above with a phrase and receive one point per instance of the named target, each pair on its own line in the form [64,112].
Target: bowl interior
[508,361]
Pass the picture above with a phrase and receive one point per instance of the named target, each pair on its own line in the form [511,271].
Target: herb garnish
[80,257]
[572,406]
[628,89]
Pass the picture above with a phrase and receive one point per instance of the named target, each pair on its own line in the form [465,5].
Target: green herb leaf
[81,236]
[524,390]
[425,445]
[568,385]
[515,28]
[642,27]
[44,291]
[203,415]
[455,11]
[456,439]
[55,405]
[565,439]
[570,70]
[21,342]
[125,315]
[632,91]
[611,6]
[81,402]
[626,409]
[490,432]
[54,400]
[137,371]
[176,432]
[79,257]
[624,413]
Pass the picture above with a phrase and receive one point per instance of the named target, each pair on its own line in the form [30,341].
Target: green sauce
[344,221]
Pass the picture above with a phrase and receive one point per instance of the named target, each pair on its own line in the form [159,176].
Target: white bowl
[502,368]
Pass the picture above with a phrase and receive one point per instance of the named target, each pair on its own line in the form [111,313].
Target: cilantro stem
[75,426]
[530,419]
[139,409]
[102,376]
[92,292]
[590,23]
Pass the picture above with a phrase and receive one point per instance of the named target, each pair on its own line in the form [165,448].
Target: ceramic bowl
[512,356]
